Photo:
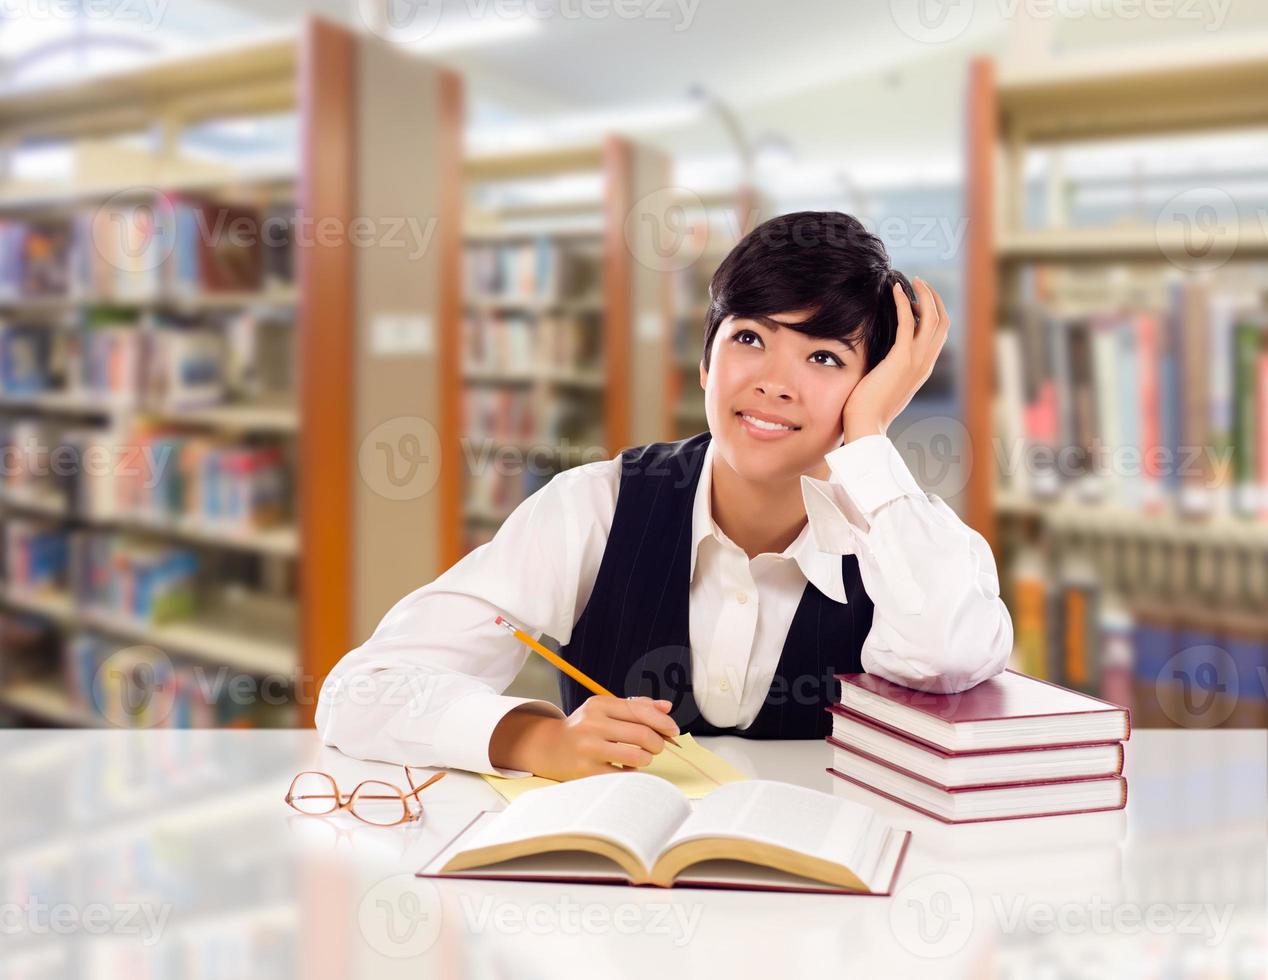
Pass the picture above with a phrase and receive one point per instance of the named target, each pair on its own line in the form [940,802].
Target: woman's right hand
[602,732]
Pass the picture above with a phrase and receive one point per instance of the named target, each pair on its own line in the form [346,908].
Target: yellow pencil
[594,687]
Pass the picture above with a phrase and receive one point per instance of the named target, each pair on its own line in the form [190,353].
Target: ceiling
[863,87]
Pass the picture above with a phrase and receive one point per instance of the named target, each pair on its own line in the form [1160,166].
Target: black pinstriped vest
[633,636]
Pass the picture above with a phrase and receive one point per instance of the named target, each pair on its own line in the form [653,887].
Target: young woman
[718,582]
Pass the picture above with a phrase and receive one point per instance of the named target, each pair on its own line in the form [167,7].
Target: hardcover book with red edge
[1010,710]
[1013,801]
[977,767]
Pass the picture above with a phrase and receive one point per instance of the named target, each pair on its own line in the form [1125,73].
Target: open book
[641,829]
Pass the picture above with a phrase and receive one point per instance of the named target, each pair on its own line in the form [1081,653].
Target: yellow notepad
[668,764]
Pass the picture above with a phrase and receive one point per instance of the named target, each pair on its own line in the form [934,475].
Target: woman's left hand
[886,389]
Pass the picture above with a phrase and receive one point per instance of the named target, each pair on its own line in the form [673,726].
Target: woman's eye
[835,360]
[741,334]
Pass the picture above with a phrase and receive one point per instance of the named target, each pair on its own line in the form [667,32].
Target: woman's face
[777,375]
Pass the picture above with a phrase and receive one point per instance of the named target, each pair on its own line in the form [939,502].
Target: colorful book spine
[1245,359]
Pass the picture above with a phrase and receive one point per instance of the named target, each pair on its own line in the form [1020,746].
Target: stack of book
[1013,746]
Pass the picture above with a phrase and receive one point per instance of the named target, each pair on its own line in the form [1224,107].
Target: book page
[805,820]
[632,809]
[695,770]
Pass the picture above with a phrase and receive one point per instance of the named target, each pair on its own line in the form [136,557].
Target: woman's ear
[704,374]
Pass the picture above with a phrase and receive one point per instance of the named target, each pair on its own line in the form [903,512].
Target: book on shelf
[260,355]
[538,270]
[135,580]
[45,259]
[278,244]
[1146,409]
[104,357]
[142,687]
[1163,638]
[572,344]
[500,414]
[215,247]
[503,342]
[1196,668]
[495,494]
[25,353]
[37,555]
[30,644]
[174,245]
[167,478]
[638,829]
[120,251]
[182,367]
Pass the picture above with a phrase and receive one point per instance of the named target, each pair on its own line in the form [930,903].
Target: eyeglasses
[372,801]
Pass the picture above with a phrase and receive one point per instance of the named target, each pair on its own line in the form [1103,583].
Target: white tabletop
[154,854]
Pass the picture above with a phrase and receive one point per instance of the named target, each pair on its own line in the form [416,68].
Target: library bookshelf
[1131,579]
[266,544]
[715,222]
[565,339]
[566,350]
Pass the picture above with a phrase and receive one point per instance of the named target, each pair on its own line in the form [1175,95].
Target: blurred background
[299,300]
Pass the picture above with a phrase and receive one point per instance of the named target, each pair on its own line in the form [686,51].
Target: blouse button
[741,597]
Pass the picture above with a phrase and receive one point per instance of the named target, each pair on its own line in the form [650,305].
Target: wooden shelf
[282,541]
[234,417]
[1167,90]
[500,236]
[57,403]
[229,417]
[1206,530]
[279,297]
[54,606]
[367,111]
[44,198]
[533,163]
[241,651]
[47,702]
[1102,244]
[44,504]
[530,304]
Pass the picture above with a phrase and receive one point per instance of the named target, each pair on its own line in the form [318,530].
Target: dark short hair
[823,261]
